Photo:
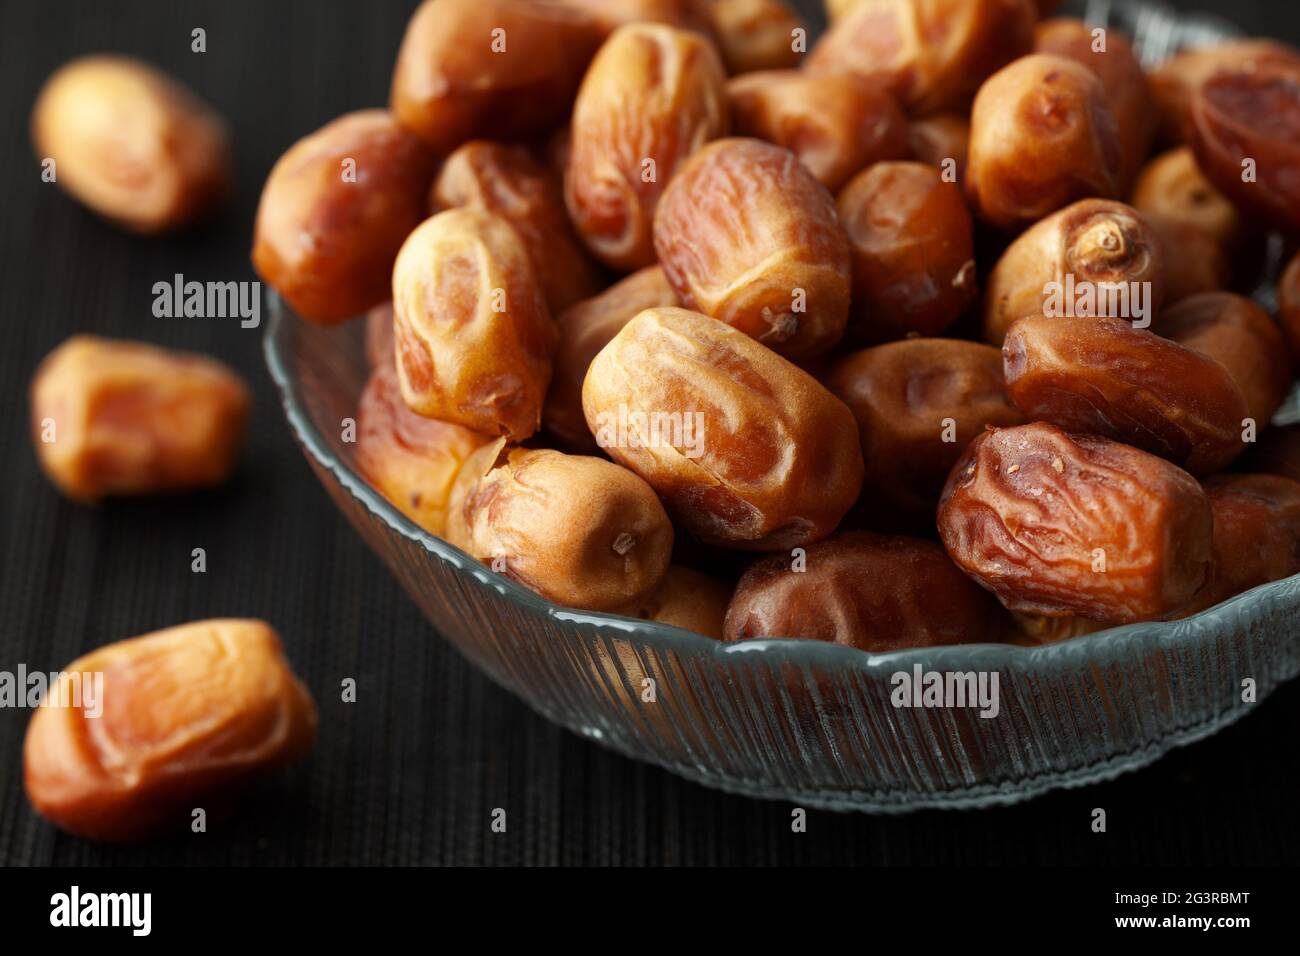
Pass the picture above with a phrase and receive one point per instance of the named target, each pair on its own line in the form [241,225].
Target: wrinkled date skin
[918,404]
[132,143]
[1288,297]
[653,96]
[1256,534]
[1056,524]
[1042,137]
[747,235]
[1120,74]
[585,329]
[940,139]
[1252,117]
[1102,244]
[754,34]
[772,458]
[508,182]
[1199,230]
[870,591]
[124,418]
[580,531]
[932,54]
[190,716]
[473,335]
[1176,80]
[489,68]
[911,239]
[412,460]
[1101,376]
[836,124]
[1240,336]
[326,242]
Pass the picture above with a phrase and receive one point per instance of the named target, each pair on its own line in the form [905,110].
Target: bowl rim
[1087,648]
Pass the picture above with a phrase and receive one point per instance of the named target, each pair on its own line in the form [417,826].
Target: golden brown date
[1288,304]
[1175,81]
[1110,56]
[334,211]
[932,54]
[502,69]
[687,599]
[870,591]
[912,245]
[1256,534]
[472,333]
[836,124]
[747,235]
[755,34]
[508,182]
[1245,129]
[653,96]
[918,404]
[941,139]
[609,15]
[1058,524]
[184,718]
[1095,247]
[582,532]
[1241,337]
[585,329]
[131,143]
[410,459]
[1101,376]
[125,418]
[747,450]
[1042,137]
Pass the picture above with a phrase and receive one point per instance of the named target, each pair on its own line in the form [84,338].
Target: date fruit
[1256,534]
[687,599]
[585,329]
[1057,524]
[131,143]
[612,14]
[410,459]
[1120,74]
[1245,129]
[499,69]
[335,210]
[918,404]
[912,243]
[941,140]
[379,336]
[932,54]
[187,717]
[582,532]
[1097,247]
[125,418]
[1042,137]
[653,96]
[747,450]
[1240,336]
[473,335]
[836,124]
[746,234]
[508,182]
[1101,376]
[873,592]
[755,34]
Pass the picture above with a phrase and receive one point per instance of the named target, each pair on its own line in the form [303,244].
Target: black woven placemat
[412,771]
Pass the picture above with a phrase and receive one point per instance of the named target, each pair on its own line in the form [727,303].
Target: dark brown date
[869,591]
[1057,524]
[918,404]
[911,240]
[1101,376]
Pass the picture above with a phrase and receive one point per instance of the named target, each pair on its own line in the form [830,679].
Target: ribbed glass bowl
[806,721]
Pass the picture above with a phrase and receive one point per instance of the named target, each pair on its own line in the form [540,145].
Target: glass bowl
[805,721]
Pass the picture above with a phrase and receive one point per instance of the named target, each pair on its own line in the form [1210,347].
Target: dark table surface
[411,772]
